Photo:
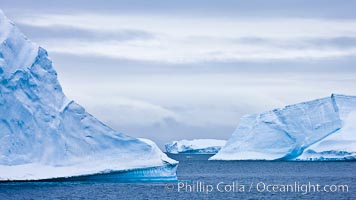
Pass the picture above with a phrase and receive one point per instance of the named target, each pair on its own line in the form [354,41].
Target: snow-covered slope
[45,135]
[315,130]
[197,146]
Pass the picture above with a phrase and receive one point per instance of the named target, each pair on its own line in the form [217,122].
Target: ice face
[45,135]
[342,144]
[321,126]
[197,146]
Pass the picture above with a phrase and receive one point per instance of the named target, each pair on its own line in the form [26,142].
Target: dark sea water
[203,179]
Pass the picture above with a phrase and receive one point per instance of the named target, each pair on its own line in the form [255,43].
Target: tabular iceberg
[44,135]
[323,129]
[197,146]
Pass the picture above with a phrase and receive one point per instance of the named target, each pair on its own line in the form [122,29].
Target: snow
[157,150]
[322,129]
[44,135]
[198,146]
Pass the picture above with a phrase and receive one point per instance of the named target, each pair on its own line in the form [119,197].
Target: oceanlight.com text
[260,187]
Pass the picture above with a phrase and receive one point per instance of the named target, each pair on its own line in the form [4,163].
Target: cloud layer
[169,70]
[175,39]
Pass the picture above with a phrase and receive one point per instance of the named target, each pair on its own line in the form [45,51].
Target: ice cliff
[322,129]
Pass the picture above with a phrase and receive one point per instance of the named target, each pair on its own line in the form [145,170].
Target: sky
[171,70]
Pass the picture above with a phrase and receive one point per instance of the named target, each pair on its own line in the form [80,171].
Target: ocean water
[203,179]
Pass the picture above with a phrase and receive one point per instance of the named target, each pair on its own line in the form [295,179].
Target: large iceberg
[197,146]
[323,129]
[45,135]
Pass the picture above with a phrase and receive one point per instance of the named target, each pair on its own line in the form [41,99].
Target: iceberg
[45,135]
[322,129]
[342,144]
[197,146]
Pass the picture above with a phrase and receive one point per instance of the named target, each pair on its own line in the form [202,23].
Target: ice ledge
[38,172]
[153,169]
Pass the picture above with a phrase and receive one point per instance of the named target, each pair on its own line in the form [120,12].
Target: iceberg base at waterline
[113,169]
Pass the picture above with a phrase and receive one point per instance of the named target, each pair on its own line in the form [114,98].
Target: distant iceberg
[323,129]
[197,146]
[44,135]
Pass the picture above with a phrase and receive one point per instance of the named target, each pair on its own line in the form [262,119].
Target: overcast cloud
[169,70]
